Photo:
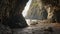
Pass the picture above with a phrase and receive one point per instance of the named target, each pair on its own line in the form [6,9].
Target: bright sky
[26,8]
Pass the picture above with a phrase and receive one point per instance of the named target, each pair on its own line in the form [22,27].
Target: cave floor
[41,28]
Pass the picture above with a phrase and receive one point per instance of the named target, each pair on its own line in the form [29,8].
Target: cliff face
[44,9]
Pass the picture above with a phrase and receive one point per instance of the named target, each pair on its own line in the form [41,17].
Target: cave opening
[26,8]
[38,10]
[34,11]
[24,13]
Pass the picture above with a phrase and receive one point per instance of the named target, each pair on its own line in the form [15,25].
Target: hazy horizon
[26,8]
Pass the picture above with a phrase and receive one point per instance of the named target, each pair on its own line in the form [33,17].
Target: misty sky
[26,8]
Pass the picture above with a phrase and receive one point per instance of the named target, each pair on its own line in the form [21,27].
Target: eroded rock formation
[52,7]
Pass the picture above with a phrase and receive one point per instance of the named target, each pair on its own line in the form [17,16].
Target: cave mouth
[26,8]
[36,14]
[35,11]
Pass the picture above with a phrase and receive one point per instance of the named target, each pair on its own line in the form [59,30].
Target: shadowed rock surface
[5,29]
[55,8]
[42,28]
[11,13]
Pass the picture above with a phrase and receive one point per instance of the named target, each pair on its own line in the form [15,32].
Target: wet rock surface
[41,29]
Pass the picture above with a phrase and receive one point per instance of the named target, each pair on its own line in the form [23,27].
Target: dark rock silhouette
[11,13]
[5,29]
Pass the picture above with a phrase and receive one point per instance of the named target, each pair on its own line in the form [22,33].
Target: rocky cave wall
[54,12]
[10,15]
[11,12]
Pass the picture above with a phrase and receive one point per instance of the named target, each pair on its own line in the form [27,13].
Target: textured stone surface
[44,28]
[11,13]
[52,7]
[5,29]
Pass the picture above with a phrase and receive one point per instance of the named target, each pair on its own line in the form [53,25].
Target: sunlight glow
[26,8]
